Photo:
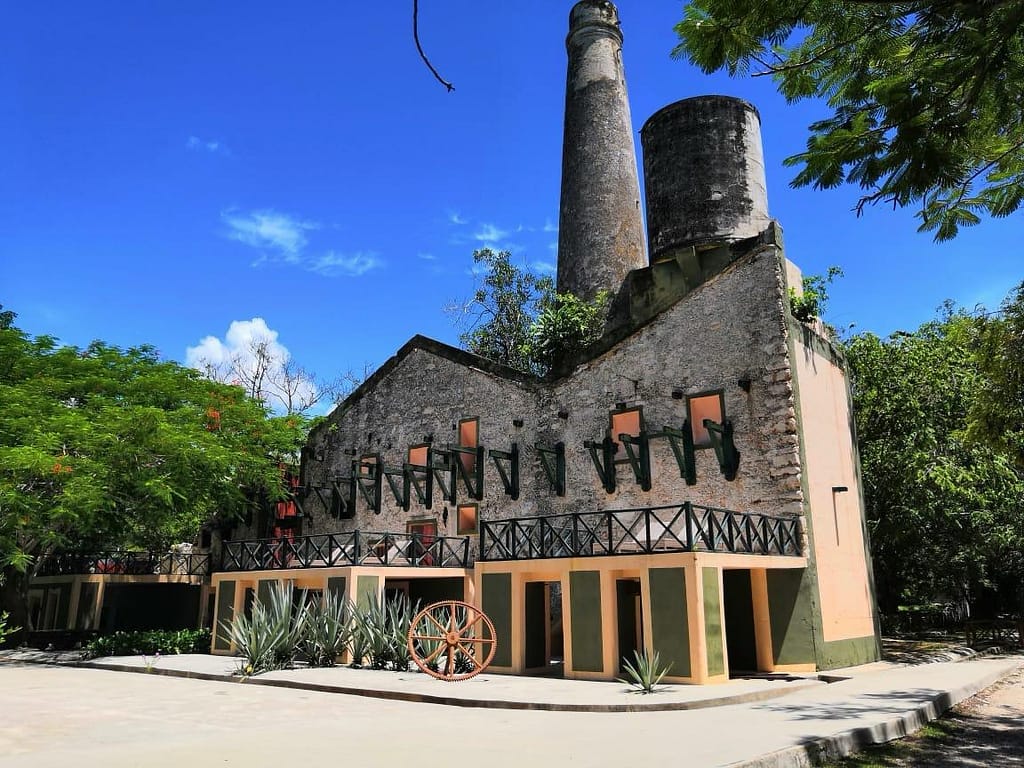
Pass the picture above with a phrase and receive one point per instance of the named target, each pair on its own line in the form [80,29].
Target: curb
[813,752]
[450,701]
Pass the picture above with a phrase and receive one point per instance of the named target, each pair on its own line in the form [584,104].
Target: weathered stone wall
[731,328]
[424,395]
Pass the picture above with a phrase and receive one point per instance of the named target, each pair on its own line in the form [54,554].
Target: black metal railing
[118,563]
[334,550]
[683,528]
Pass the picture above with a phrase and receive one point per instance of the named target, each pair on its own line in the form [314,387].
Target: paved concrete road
[58,716]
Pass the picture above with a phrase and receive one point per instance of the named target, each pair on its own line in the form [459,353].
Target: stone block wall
[729,331]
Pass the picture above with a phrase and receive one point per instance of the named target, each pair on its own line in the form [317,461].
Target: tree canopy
[943,501]
[104,448]
[924,96]
[516,318]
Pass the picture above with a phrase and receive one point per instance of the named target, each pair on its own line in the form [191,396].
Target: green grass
[914,750]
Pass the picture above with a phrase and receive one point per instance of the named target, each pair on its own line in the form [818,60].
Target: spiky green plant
[287,622]
[400,612]
[327,630]
[371,627]
[256,638]
[646,673]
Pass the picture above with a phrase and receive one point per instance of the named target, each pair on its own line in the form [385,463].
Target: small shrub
[646,673]
[6,631]
[286,623]
[149,643]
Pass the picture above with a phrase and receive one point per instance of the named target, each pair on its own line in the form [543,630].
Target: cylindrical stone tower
[600,228]
[704,174]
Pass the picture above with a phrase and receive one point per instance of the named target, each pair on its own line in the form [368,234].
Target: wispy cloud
[549,227]
[426,256]
[333,264]
[197,144]
[488,233]
[543,267]
[455,218]
[281,237]
[269,229]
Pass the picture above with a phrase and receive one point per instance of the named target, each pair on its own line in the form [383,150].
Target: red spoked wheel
[452,640]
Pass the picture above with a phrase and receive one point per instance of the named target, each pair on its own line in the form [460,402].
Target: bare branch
[416,37]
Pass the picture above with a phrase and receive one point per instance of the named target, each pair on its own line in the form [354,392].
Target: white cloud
[549,227]
[205,145]
[543,267]
[426,256]
[488,233]
[248,346]
[269,229]
[332,264]
[455,218]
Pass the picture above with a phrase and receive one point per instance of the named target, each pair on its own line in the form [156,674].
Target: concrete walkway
[804,720]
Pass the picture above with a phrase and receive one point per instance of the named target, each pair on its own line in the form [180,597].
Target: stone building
[689,484]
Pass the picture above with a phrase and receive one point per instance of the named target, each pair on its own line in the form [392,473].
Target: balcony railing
[120,563]
[338,550]
[684,528]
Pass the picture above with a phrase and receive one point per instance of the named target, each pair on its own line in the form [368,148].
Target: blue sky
[170,168]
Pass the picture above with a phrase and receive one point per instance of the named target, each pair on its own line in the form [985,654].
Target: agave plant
[257,639]
[371,629]
[646,673]
[327,630]
[286,622]
[400,613]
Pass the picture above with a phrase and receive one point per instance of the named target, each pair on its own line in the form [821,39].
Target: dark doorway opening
[740,635]
[544,648]
[630,619]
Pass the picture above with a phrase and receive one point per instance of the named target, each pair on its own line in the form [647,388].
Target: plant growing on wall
[517,319]
[809,305]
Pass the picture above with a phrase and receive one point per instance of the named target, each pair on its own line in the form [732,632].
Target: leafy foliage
[644,672]
[997,416]
[149,642]
[566,323]
[104,448]
[502,309]
[924,94]
[811,303]
[5,630]
[943,508]
[517,319]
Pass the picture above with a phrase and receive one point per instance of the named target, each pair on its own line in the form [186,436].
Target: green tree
[503,307]
[517,319]
[104,448]
[997,415]
[944,510]
[924,96]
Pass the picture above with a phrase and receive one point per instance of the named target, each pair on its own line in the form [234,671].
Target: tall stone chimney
[600,228]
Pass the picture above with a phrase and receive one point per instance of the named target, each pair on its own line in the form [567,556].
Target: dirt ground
[985,730]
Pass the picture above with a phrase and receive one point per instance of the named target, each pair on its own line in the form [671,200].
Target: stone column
[600,235]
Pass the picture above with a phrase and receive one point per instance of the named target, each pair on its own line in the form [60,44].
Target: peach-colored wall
[830,462]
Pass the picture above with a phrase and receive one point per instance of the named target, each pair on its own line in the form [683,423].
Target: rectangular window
[707,405]
[629,421]
[418,454]
[469,437]
[420,548]
[467,519]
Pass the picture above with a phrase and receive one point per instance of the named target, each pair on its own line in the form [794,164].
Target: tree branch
[416,38]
